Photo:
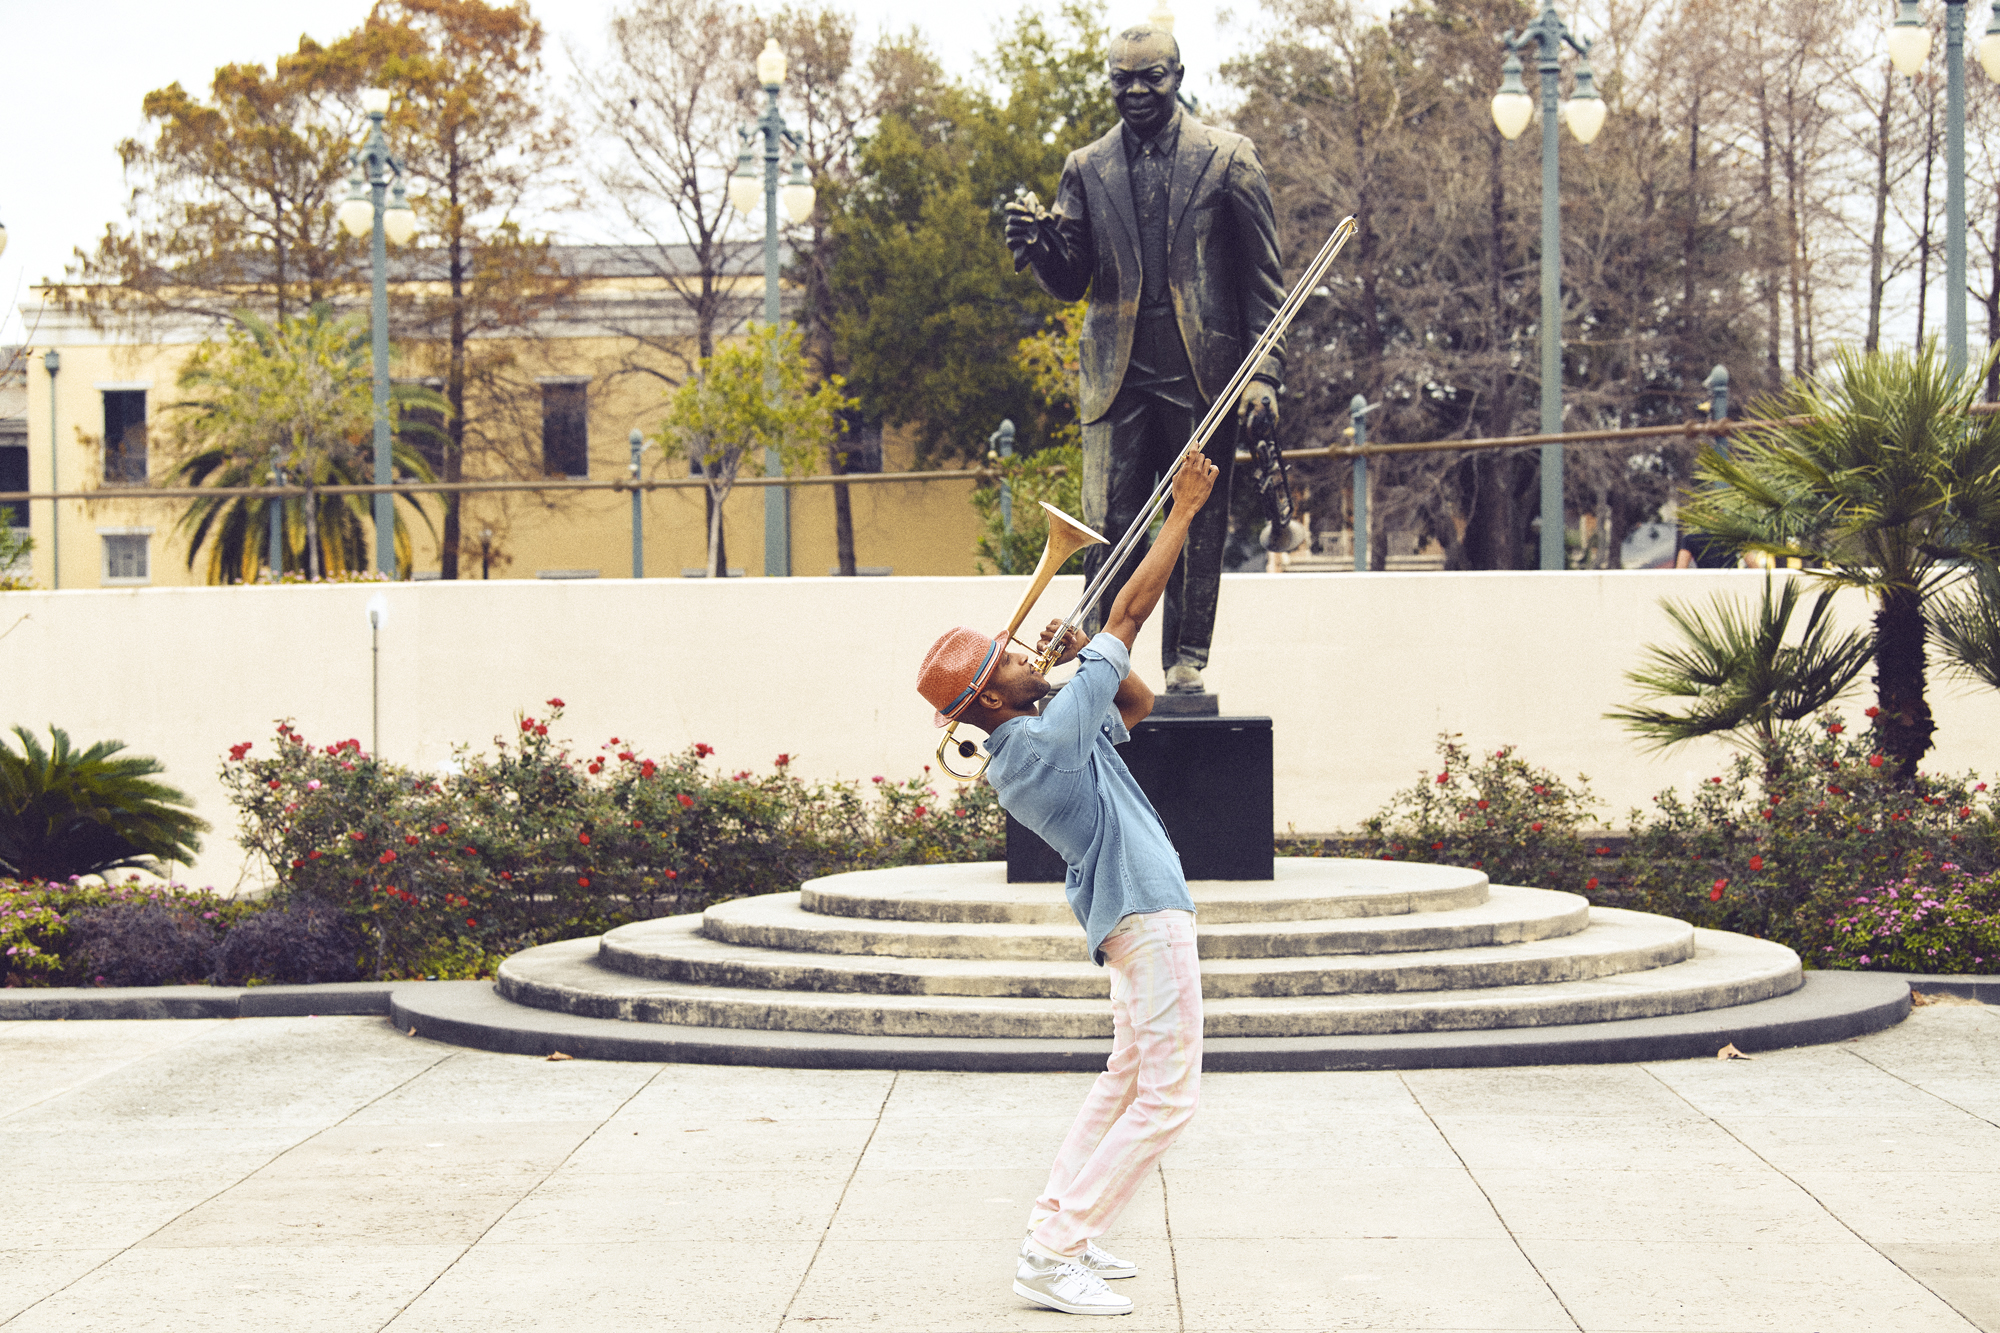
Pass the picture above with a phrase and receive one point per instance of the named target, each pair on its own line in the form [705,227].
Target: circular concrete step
[676,949]
[781,921]
[1723,970]
[1301,889]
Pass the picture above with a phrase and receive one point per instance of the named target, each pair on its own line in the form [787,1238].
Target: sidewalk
[291,1175]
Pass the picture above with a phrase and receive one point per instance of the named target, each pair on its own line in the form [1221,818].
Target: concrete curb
[1830,1006]
[1986,990]
[88,1002]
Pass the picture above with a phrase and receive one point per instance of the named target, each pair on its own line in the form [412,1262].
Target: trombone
[1067,536]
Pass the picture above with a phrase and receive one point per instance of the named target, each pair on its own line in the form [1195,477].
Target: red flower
[583,880]
[1590,883]
[647,769]
[274,784]
[541,730]
[555,703]
[673,874]
[686,800]
[1716,781]
[410,838]
[470,851]
[1534,828]
[626,756]
[1443,778]
[597,766]
[1437,846]
[583,837]
[1872,712]
[703,750]
[876,778]
[1965,812]
[921,812]
[1604,851]
[1541,791]
[782,760]
[297,864]
[440,828]
[1874,761]
[1483,804]
[236,752]
[1756,863]
[386,857]
[505,875]
[470,922]
[312,856]
[357,835]
[527,724]
[1834,729]
[1715,894]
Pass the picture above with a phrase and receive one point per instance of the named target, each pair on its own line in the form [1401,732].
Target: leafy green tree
[724,414]
[929,307]
[1739,676]
[65,811]
[296,397]
[1875,474]
[15,543]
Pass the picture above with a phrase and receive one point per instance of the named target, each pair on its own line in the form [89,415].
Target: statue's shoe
[1184,679]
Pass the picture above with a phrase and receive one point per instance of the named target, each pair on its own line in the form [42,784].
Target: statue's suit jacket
[1222,258]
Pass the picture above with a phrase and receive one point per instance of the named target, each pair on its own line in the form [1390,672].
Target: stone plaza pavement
[294,1175]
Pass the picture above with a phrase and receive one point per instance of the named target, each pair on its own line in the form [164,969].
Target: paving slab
[337,1174]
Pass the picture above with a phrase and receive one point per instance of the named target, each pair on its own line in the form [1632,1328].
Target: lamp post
[382,218]
[797,197]
[637,440]
[52,362]
[274,554]
[1909,48]
[1512,109]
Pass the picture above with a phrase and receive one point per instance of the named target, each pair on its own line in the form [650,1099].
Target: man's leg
[1187,624]
[1108,1097]
[1156,967]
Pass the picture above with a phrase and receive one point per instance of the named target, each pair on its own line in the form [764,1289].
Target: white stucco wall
[1360,673]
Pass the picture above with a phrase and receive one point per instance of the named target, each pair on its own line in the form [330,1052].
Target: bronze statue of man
[1166,224]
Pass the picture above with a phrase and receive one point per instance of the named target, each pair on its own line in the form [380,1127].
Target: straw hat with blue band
[956,669]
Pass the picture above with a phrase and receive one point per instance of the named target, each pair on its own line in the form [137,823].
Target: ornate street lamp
[796,197]
[383,217]
[1909,48]
[1512,109]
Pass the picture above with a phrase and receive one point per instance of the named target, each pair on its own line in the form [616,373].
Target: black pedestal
[1210,779]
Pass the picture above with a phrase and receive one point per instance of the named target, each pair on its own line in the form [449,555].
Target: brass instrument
[1068,536]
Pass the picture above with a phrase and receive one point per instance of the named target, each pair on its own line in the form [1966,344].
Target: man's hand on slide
[1194,479]
[1072,644]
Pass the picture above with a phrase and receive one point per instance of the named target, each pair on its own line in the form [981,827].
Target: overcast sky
[61,181]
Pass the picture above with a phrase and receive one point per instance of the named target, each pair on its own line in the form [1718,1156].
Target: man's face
[1144,79]
[1017,685]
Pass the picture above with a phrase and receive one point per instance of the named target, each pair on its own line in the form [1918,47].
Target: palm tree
[1740,675]
[295,398]
[1967,626]
[70,812]
[1877,477]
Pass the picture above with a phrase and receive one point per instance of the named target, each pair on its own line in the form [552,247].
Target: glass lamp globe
[357,215]
[375,101]
[746,188]
[1512,107]
[1909,40]
[1585,111]
[796,195]
[771,65]
[399,220]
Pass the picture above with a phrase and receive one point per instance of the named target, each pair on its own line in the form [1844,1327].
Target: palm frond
[1966,626]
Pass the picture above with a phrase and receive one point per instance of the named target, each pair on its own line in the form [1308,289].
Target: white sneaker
[1065,1285]
[1103,1262]
[1106,1264]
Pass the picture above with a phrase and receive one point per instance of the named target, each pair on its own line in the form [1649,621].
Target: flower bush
[447,873]
[1772,846]
[1492,811]
[1949,922]
[49,930]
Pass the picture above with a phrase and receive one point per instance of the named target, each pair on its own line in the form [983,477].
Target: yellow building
[96,399]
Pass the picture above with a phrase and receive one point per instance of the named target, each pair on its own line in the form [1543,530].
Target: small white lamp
[1910,39]
[1585,108]
[1512,107]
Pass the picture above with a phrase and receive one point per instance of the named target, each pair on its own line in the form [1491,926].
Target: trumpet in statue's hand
[1025,220]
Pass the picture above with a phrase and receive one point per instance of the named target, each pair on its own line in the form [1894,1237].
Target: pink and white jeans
[1148,1090]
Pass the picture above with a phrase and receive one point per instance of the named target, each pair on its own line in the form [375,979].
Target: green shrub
[1949,923]
[1493,812]
[446,874]
[66,812]
[1771,846]
[42,937]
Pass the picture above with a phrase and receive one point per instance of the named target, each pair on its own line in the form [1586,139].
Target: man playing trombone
[1056,769]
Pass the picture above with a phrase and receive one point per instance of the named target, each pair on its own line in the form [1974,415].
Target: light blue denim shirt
[1060,775]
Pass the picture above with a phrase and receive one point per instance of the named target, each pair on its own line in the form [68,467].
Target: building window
[125,557]
[124,437]
[13,477]
[565,428]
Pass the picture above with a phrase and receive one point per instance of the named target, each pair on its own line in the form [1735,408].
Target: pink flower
[313,785]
